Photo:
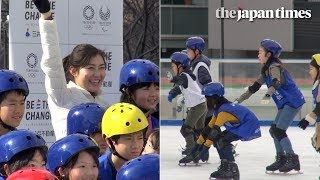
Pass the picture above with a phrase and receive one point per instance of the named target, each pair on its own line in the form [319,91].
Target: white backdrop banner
[98,22]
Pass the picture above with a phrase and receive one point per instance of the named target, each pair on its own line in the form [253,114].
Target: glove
[205,132]
[194,154]
[180,100]
[42,5]
[303,124]
[169,75]
[309,119]
[170,97]
[180,103]
[266,99]
[179,108]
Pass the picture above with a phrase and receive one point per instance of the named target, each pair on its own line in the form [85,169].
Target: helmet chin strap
[195,55]
[115,151]
[7,126]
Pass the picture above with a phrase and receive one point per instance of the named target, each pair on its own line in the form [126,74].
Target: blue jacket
[315,90]
[248,127]
[155,122]
[287,94]
[107,170]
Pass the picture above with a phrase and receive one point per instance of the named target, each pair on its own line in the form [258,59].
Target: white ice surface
[253,157]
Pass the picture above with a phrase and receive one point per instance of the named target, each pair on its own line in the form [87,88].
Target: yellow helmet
[123,118]
[316,57]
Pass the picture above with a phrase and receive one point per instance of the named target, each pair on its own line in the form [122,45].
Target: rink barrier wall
[179,122]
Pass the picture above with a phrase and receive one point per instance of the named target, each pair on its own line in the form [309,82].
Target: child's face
[147,97]
[130,145]
[91,76]
[174,68]
[85,168]
[191,54]
[313,72]
[262,55]
[149,147]
[101,142]
[12,109]
[37,161]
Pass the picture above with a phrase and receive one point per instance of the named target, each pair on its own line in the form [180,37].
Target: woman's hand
[43,7]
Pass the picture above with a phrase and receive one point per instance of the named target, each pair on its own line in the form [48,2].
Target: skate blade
[290,173]
[189,164]
[224,178]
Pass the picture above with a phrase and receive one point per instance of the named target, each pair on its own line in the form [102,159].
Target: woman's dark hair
[72,161]
[22,158]
[80,57]
[126,97]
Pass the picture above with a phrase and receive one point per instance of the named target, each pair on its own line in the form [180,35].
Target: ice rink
[253,157]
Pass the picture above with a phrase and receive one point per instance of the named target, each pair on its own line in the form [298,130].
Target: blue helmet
[195,43]
[213,88]
[11,80]
[143,167]
[138,71]
[64,149]
[16,141]
[272,46]
[180,57]
[85,118]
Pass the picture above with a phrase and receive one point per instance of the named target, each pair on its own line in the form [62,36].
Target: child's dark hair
[315,64]
[216,101]
[80,57]
[22,158]
[72,161]
[155,139]
[126,97]
[4,95]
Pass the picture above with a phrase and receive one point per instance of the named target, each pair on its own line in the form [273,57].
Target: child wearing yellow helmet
[314,116]
[124,129]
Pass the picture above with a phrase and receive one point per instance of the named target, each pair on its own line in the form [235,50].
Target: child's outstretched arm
[251,90]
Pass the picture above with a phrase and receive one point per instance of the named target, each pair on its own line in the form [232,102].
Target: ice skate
[227,170]
[292,163]
[280,161]
[189,160]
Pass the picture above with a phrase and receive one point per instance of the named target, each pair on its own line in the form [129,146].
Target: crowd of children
[240,123]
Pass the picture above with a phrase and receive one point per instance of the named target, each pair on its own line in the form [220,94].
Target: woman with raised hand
[75,79]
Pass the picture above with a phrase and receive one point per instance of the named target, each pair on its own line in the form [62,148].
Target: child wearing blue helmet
[74,157]
[240,124]
[287,97]
[139,84]
[185,83]
[199,63]
[13,92]
[146,167]
[21,149]
[86,119]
